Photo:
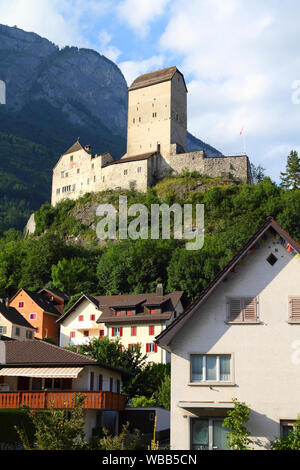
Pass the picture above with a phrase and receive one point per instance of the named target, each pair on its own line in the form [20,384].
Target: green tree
[238,434]
[163,395]
[291,441]
[291,177]
[56,429]
[134,267]
[73,275]
[38,257]
[143,402]
[258,173]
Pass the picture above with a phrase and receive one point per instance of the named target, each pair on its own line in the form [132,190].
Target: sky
[240,59]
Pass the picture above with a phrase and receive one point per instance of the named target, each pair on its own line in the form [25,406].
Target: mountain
[54,96]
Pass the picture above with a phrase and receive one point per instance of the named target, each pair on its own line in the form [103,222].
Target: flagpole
[244,140]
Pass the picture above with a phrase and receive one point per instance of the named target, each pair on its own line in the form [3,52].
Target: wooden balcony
[61,400]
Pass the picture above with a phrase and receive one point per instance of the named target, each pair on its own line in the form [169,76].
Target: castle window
[58,191]
[140,119]
[78,171]
[125,172]
[95,179]
[139,170]
[62,174]
[154,115]
[103,179]
[71,158]
[74,187]
[88,181]
[93,166]
[66,175]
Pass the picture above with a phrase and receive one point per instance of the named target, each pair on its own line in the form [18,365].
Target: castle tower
[157,113]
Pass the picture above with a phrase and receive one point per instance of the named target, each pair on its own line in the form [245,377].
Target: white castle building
[156,145]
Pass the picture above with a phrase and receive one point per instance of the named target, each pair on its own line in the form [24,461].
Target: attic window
[272,259]
[71,158]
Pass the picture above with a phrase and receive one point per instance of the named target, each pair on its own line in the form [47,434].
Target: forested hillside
[65,252]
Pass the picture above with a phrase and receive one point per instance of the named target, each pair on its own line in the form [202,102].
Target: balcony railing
[60,400]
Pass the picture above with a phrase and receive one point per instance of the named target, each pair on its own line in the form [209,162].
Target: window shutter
[155,347]
[235,310]
[113,332]
[101,333]
[250,310]
[147,347]
[151,330]
[121,331]
[295,309]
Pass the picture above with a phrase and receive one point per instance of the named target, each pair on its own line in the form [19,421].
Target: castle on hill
[156,145]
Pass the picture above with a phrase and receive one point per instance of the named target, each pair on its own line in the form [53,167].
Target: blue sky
[240,59]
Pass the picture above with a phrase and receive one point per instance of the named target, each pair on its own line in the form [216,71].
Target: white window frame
[3,330]
[33,316]
[218,379]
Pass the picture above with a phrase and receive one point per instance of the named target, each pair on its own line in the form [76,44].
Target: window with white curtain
[210,368]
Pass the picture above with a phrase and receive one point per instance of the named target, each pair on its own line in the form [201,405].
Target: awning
[42,372]
[205,404]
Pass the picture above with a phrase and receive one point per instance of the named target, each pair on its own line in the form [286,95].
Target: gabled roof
[75,147]
[13,316]
[73,307]
[39,353]
[41,301]
[164,338]
[155,77]
[57,293]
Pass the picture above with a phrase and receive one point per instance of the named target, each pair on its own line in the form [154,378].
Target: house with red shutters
[41,310]
[133,319]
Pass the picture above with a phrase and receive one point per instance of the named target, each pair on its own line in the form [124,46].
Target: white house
[239,339]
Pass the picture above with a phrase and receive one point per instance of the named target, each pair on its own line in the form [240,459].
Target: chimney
[160,290]
[88,148]
[2,352]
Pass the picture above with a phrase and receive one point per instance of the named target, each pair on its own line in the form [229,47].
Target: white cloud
[60,21]
[132,69]
[240,61]
[138,14]
[110,51]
